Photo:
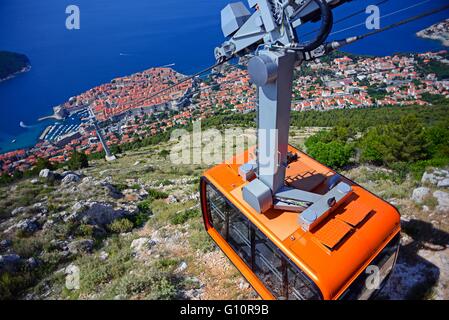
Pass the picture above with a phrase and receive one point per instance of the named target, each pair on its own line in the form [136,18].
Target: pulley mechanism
[269,34]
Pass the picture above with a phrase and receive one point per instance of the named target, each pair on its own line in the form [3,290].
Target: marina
[66,127]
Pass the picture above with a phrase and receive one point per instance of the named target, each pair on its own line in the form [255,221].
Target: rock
[34,181]
[95,213]
[79,246]
[28,226]
[419,194]
[59,244]
[102,214]
[17,211]
[47,175]
[104,255]
[87,180]
[192,294]
[71,178]
[32,263]
[182,267]
[132,195]
[70,269]
[443,183]
[5,244]
[72,279]
[243,285]
[48,225]
[438,177]
[443,201]
[39,207]
[113,192]
[140,245]
[9,262]
[171,199]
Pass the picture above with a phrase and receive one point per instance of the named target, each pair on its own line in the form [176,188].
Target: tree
[389,144]
[334,154]
[43,163]
[438,140]
[78,161]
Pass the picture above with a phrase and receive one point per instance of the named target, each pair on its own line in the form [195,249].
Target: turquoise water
[120,37]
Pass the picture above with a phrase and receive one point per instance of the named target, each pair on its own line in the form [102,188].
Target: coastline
[11,76]
[436,32]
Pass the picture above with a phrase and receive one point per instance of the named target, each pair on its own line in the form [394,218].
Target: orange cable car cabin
[293,227]
[281,260]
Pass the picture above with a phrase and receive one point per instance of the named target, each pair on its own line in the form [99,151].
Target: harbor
[66,127]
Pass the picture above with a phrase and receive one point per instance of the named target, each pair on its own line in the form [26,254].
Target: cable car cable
[330,46]
[384,16]
[347,17]
[188,78]
[339,43]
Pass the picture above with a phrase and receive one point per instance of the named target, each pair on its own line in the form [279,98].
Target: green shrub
[78,161]
[86,230]
[164,153]
[121,226]
[145,207]
[418,168]
[166,263]
[156,194]
[184,216]
[166,182]
[120,187]
[140,218]
[334,154]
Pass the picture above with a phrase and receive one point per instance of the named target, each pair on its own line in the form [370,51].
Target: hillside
[133,230]
[12,63]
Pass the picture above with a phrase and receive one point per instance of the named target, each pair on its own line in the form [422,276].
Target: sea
[121,37]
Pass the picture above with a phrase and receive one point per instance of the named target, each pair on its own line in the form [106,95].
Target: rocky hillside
[131,229]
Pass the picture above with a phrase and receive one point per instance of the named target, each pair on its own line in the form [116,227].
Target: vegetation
[184,216]
[11,63]
[408,146]
[440,69]
[121,226]
[78,161]
[156,194]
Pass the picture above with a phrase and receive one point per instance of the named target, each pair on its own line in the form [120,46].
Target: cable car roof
[333,252]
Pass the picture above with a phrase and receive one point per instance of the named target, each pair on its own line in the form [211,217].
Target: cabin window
[239,237]
[218,208]
[269,266]
[299,287]
[279,275]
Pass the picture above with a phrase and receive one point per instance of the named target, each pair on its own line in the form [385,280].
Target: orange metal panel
[354,213]
[331,233]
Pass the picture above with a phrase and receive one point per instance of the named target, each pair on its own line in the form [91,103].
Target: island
[438,31]
[12,63]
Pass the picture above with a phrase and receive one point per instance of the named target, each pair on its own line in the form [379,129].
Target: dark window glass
[269,266]
[218,210]
[280,276]
[239,237]
[299,287]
